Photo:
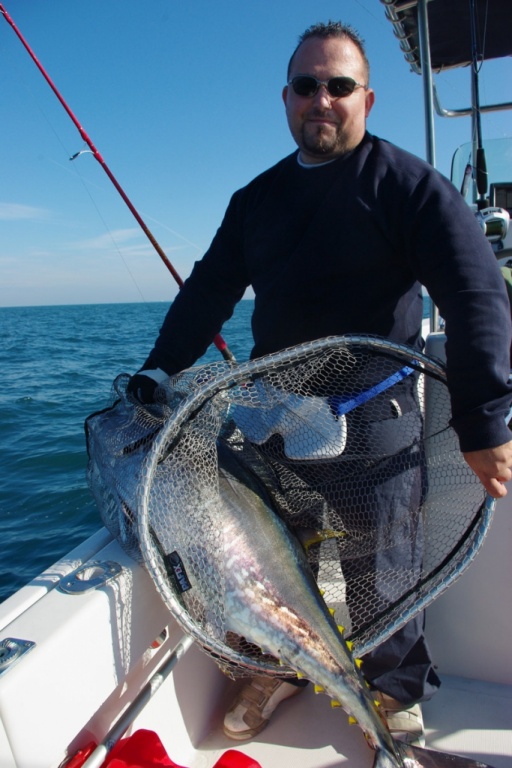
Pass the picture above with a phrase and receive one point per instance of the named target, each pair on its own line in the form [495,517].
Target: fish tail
[423,758]
[383,759]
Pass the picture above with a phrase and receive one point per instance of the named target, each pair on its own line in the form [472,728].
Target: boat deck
[467,717]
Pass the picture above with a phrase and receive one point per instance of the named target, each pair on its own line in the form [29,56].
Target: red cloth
[145,750]
[234,759]
[141,750]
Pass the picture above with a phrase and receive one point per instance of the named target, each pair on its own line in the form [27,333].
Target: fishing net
[347,439]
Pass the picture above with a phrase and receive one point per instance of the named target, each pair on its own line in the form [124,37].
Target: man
[335,239]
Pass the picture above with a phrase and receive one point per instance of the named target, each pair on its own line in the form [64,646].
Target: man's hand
[493,467]
[144,384]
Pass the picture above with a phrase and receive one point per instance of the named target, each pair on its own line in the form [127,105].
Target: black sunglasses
[337,87]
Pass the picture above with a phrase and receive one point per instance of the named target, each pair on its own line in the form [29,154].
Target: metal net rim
[227,379]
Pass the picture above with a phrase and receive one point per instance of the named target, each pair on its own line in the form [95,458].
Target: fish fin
[309,537]
[335,703]
[329,533]
[352,720]
[341,629]
[319,689]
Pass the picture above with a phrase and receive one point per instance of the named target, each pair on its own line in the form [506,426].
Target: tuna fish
[272,599]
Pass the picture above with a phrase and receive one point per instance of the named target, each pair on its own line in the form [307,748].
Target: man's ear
[370,101]
[285,94]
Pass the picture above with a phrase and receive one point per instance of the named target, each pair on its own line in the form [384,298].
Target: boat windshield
[498,156]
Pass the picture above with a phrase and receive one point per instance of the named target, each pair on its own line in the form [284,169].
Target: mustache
[326,114]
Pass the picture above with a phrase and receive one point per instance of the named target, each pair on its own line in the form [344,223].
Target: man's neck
[309,164]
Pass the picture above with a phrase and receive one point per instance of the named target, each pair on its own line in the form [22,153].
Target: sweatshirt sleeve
[206,300]
[457,265]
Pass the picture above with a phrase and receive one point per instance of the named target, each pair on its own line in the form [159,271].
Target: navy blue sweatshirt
[344,248]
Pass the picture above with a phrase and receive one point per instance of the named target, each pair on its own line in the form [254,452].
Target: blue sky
[183,101]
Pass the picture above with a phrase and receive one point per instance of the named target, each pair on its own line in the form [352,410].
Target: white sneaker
[254,705]
[404,723]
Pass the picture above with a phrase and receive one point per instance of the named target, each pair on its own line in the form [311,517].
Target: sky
[182,99]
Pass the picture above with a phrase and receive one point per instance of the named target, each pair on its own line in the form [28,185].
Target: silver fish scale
[328,430]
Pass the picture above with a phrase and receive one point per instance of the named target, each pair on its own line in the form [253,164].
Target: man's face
[325,127]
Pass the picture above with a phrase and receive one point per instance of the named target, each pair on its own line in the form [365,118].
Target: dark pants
[400,666]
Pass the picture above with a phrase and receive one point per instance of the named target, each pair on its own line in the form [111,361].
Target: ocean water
[57,366]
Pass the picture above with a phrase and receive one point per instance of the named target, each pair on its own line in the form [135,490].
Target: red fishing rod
[218,340]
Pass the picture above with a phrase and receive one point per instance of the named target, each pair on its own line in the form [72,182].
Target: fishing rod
[218,340]
[479,160]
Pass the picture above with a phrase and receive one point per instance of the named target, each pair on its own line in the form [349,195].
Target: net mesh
[349,439]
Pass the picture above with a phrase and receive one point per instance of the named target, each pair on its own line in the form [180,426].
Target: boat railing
[467,111]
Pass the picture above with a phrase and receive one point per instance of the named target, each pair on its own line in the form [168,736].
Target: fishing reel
[495,225]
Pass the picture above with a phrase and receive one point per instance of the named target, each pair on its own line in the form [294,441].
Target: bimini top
[450,30]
